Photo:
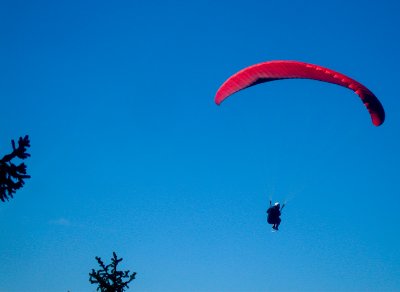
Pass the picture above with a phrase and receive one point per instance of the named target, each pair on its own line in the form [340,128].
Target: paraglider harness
[274,213]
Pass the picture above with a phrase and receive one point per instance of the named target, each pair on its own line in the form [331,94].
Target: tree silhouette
[12,176]
[108,278]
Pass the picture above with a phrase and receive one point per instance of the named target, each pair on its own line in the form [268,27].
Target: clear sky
[130,154]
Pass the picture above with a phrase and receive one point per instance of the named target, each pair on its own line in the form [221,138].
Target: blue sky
[130,153]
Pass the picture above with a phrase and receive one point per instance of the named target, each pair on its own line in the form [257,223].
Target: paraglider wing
[276,70]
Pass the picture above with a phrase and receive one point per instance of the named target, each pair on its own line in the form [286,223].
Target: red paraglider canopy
[276,70]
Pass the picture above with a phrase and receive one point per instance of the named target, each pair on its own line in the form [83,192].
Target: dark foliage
[108,278]
[11,175]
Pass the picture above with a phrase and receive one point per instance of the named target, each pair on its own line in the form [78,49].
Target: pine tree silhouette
[11,175]
[108,278]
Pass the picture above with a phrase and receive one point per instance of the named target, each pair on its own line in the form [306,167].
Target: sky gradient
[130,154]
